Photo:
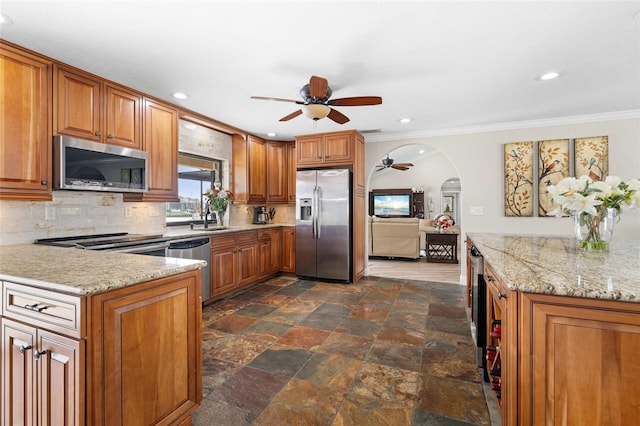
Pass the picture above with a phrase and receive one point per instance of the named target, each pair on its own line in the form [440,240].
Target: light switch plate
[476,211]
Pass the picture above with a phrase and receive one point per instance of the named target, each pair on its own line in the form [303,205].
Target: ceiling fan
[317,105]
[388,162]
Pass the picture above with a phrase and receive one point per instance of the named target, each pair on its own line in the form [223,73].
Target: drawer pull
[490,278]
[36,307]
[37,354]
[23,348]
[501,296]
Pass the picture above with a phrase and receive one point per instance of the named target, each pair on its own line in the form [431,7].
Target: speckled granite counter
[553,265]
[86,272]
[185,231]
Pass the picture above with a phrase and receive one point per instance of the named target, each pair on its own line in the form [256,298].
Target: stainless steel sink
[201,228]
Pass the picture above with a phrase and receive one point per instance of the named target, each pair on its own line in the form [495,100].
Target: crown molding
[546,122]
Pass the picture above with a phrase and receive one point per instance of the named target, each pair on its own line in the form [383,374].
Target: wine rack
[494,348]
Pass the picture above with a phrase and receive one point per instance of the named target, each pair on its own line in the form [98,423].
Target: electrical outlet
[49,213]
[476,211]
[128,211]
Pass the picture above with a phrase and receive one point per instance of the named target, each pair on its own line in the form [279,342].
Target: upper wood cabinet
[325,149]
[25,134]
[90,108]
[291,171]
[160,142]
[277,172]
[249,160]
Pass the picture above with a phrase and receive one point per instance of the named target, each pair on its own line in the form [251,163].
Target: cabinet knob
[98,133]
[37,354]
[110,136]
[24,348]
[501,295]
[44,182]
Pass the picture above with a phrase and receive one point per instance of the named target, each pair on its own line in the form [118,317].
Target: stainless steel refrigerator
[323,224]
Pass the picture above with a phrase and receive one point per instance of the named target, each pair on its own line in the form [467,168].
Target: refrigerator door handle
[314,210]
[316,215]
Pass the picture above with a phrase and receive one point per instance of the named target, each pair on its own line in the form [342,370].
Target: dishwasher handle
[188,244]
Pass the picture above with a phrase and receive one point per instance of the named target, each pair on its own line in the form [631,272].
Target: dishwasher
[194,248]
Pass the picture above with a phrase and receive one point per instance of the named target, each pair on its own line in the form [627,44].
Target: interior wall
[478,161]
[428,174]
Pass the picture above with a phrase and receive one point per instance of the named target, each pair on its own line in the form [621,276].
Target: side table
[442,247]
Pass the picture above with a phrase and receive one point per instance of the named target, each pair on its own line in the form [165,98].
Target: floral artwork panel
[553,166]
[518,179]
[592,157]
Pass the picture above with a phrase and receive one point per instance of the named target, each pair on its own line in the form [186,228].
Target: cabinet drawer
[61,313]
[494,284]
[264,234]
[223,240]
[247,237]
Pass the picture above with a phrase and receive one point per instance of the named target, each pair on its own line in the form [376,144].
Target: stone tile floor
[379,352]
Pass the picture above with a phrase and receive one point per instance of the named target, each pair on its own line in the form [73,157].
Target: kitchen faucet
[206,216]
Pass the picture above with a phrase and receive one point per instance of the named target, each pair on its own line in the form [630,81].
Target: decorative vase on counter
[594,232]
[220,215]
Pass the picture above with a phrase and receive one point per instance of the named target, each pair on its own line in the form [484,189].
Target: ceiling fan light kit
[316,111]
[316,104]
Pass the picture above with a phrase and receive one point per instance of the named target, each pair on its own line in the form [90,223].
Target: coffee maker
[260,215]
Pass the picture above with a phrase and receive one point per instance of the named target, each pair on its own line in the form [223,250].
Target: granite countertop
[84,272]
[554,265]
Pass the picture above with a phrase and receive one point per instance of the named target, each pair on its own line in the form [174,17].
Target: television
[392,205]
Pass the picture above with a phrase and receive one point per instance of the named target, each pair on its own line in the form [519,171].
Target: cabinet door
[288,249]
[123,117]
[582,358]
[146,351]
[247,256]
[276,250]
[359,220]
[61,386]
[291,171]
[338,148]
[310,150]
[277,172]
[257,170]
[25,134]
[78,105]
[18,384]
[223,270]
[264,258]
[160,141]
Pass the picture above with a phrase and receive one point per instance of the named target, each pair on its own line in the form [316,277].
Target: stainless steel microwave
[85,165]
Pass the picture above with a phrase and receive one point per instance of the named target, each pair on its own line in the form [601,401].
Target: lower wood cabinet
[581,358]
[234,262]
[288,249]
[129,356]
[562,360]
[44,376]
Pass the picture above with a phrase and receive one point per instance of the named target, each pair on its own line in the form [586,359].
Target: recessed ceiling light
[549,75]
[421,151]
[4,19]
[179,95]
[271,134]
[405,120]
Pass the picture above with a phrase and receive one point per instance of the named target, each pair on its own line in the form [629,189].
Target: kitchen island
[564,329]
[92,337]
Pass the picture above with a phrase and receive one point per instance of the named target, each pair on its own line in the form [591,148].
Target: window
[195,175]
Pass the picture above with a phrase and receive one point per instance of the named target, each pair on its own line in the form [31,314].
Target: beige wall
[478,161]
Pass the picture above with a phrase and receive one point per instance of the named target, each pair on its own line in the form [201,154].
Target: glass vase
[594,232]
[220,217]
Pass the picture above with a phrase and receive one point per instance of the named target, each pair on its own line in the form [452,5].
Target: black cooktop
[101,241]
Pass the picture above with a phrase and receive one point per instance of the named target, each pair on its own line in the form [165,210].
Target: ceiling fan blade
[337,116]
[265,98]
[292,115]
[404,164]
[399,167]
[356,101]
[318,87]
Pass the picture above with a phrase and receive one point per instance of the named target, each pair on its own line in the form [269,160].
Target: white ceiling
[447,65]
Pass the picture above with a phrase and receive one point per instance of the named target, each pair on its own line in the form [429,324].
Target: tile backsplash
[85,213]
[77,213]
